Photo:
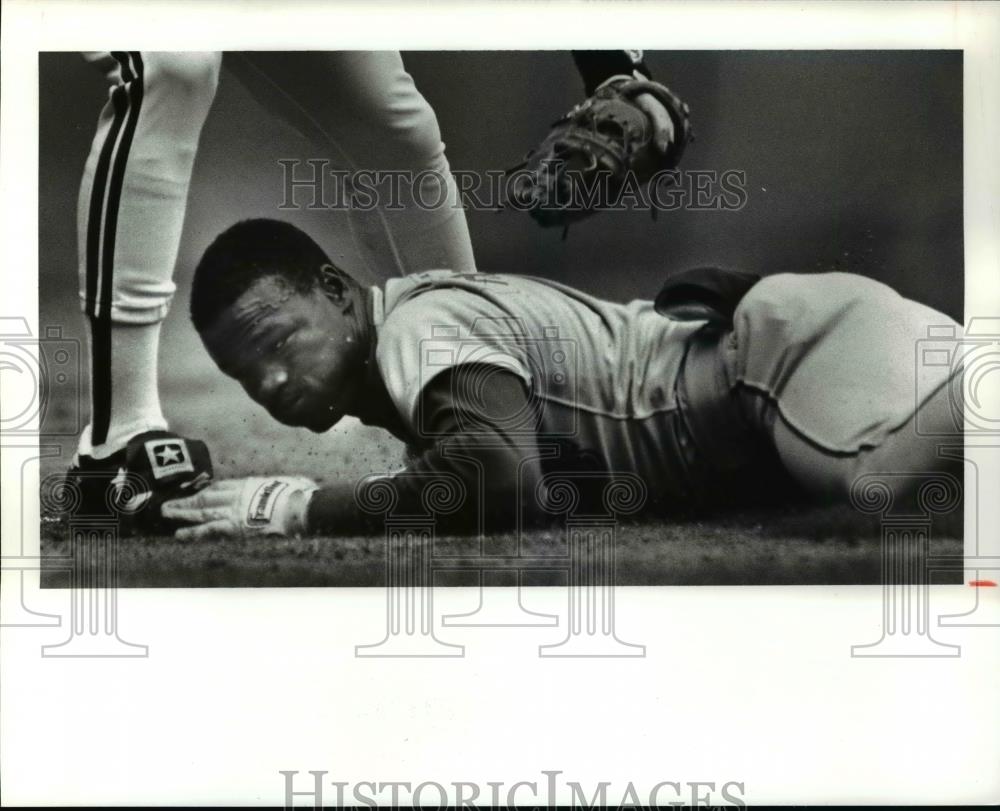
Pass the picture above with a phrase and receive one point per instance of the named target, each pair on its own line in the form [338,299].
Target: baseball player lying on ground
[360,108]
[754,387]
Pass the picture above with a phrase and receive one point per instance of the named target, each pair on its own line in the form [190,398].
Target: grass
[802,546]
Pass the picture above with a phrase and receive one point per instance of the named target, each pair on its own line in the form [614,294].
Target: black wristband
[596,67]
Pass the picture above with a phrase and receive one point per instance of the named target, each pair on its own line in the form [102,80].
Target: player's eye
[278,344]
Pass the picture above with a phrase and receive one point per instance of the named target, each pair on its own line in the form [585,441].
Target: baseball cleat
[132,484]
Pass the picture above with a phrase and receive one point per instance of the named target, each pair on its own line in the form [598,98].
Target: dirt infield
[830,546]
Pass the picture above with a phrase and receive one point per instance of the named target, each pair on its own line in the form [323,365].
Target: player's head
[279,317]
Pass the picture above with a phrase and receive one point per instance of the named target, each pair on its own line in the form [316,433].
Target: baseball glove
[590,151]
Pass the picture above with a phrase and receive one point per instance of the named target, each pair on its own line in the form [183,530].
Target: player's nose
[272,381]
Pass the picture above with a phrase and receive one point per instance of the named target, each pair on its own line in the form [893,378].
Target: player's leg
[907,456]
[826,367]
[363,109]
[131,209]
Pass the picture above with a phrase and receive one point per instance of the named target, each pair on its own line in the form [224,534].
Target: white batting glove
[244,508]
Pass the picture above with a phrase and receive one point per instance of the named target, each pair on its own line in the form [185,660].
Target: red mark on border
[981,583]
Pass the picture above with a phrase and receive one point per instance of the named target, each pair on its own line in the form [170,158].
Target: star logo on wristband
[168,457]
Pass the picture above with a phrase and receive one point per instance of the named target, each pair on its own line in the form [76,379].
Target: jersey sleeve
[442,330]
[483,470]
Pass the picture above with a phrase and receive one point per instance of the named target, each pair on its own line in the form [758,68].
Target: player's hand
[663,124]
[244,508]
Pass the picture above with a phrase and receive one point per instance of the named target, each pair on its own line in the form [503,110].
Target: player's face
[297,354]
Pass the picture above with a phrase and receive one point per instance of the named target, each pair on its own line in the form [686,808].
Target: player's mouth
[287,408]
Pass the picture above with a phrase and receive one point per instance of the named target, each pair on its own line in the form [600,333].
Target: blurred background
[853,162]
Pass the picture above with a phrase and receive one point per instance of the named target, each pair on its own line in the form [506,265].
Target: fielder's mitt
[590,151]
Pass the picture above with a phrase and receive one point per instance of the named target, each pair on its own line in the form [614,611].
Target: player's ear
[336,284]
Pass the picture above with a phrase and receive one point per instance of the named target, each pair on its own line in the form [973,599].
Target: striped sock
[125,400]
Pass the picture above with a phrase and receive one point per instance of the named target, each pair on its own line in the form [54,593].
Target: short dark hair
[247,252]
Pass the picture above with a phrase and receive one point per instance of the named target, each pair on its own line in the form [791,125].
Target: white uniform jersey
[601,375]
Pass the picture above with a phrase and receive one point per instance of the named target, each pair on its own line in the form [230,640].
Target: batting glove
[244,508]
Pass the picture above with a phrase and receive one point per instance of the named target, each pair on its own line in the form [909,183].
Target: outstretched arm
[465,415]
